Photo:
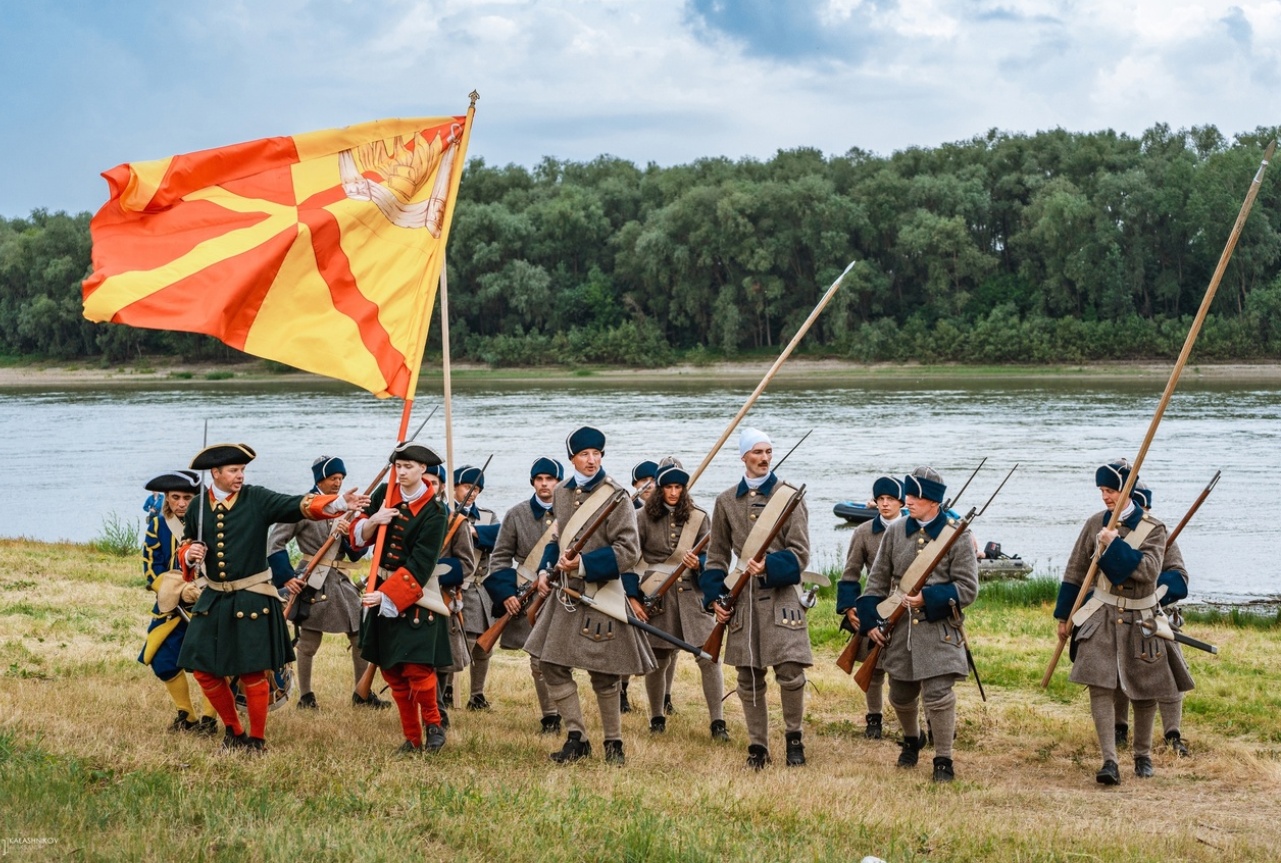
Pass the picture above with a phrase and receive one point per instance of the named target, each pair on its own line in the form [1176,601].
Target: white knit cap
[750,437]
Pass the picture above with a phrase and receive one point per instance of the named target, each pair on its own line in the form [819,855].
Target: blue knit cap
[549,466]
[887,485]
[644,470]
[585,438]
[1112,475]
[925,482]
[324,467]
[468,475]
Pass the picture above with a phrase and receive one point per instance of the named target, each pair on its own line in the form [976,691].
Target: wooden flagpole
[1124,497]
[769,375]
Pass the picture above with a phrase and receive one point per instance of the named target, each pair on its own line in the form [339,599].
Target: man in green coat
[401,633]
[237,627]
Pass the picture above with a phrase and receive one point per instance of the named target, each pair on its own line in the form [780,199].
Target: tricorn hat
[644,470]
[176,480]
[414,451]
[222,455]
[887,485]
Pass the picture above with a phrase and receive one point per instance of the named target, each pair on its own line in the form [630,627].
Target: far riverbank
[42,375]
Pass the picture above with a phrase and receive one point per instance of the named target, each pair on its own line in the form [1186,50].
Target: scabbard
[668,637]
[1197,643]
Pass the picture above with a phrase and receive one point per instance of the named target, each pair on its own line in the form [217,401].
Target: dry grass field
[88,772]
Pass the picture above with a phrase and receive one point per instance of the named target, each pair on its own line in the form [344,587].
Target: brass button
[751,494]
[222,565]
[578,503]
[240,614]
[915,621]
[752,516]
[253,615]
[220,535]
[322,596]
[220,545]
[221,554]
[266,610]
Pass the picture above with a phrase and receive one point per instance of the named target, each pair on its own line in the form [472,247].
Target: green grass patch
[182,376]
[219,376]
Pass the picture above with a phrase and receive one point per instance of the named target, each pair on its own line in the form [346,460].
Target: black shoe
[551,724]
[1109,774]
[182,722]
[232,741]
[575,748]
[943,771]
[207,726]
[478,702]
[373,702]
[1143,767]
[255,746]
[435,738]
[307,701]
[911,753]
[795,750]
[409,748]
[668,708]
[719,732]
[1122,735]
[1175,742]
[624,706]
[757,757]
[444,717]
[614,752]
[873,729]
[447,694]
[657,725]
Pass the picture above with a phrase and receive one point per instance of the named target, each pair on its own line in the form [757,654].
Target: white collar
[219,494]
[410,497]
[755,482]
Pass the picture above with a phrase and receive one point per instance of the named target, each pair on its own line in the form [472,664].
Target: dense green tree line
[1004,248]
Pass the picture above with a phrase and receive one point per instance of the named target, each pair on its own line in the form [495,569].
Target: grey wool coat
[461,547]
[926,641]
[769,626]
[337,607]
[520,532]
[476,616]
[1111,648]
[682,613]
[587,638]
[864,543]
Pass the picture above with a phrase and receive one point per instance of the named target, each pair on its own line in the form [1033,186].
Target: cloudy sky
[89,84]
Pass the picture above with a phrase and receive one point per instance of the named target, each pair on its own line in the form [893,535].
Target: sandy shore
[44,376]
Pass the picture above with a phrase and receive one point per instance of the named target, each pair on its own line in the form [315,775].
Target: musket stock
[651,600]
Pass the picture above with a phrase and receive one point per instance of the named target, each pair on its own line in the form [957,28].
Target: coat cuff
[599,565]
[281,569]
[501,586]
[313,506]
[402,589]
[551,554]
[354,532]
[712,583]
[453,578]
[868,617]
[486,536]
[846,594]
[1120,561]
[938,600]
[1176,586]
[1067,596]
[782,569]
[632,586]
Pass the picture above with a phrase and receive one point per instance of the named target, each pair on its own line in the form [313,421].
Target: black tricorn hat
[223,454]
[176,480]
[412,451]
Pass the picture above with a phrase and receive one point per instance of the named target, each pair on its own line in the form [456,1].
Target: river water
[74,456]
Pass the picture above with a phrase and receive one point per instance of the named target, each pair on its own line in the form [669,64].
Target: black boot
[624,706]
[1109,774]
[614,752]
[943,771]
[657,725]
[795,749]
[911,753]
[232,741]
[444,716]
[575,748]
[183,722]
[255,746]
[409,748]
[478,702]
[447,694]
[1175,742]
[207,726]
[873,729]
[1122,735]
[551,724]
[307,701]
[720,733]
[435,738]
[373,702]
[1143,767]
[668,708]
[757,757]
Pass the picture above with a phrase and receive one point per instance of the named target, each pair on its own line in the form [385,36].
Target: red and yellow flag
[322,251]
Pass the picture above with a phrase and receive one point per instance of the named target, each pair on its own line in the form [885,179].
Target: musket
[525,594]
[1187,516]
[845,662]
[863,677]
[1087,583]
[576,548]
[712,646]
[346,521]
[633,620]
[456,522]
[795,446]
